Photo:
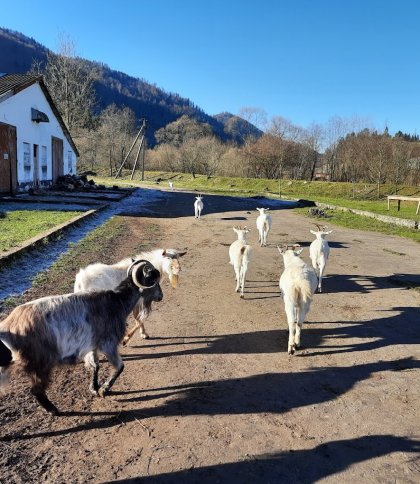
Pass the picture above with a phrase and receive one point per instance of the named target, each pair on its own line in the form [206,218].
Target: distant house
[35,144]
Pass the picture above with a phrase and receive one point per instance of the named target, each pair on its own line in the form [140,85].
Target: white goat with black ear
[239,255]
[297,285]
[97,277]
[198,206]
[263,225]
[319,251]
[54,330]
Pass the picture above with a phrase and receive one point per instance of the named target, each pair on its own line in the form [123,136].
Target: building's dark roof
[15,83]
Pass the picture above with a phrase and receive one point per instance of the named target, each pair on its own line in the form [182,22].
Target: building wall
[16,110]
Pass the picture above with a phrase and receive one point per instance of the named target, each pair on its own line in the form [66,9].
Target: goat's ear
[298,251]
[267,209]
[312,232]
[328,232]
[258,209]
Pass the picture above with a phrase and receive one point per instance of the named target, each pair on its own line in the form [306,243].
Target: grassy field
[358,196]
[20,225]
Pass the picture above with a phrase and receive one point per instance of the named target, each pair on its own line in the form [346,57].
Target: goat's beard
[145,309]
[173,279]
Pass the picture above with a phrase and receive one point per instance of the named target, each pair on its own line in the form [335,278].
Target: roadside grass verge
[18,226]
[362,196]
[353,221]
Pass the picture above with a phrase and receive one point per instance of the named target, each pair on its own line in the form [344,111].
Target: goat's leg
[321,271]
[237,278]
[138,324]
[114,358]
[290,315]
[39,385]
[92,361]
[243,273]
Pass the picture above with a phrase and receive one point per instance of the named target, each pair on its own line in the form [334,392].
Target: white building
[35,144]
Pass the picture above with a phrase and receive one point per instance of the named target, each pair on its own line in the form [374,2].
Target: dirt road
[213,395]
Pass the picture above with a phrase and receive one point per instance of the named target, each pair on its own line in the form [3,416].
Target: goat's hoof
[93,391]
[241,296]
[291,350]
[125,341]
[102,392]
[144,336]
[54,411]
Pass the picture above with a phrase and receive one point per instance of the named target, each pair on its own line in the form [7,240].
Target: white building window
[26,157]
[70,162]
[44,164]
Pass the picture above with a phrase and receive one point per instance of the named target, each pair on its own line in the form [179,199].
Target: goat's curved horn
[144,274]
[317,226]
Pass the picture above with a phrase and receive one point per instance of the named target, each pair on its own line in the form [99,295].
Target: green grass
[360,196]
[335,193]
[20,225]
[353,221]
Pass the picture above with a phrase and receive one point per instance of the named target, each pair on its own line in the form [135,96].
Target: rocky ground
[213,395]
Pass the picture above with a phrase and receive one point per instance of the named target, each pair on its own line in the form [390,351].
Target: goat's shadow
[304,466]
[276,393]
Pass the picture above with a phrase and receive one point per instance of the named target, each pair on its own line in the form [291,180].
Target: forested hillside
[18,52]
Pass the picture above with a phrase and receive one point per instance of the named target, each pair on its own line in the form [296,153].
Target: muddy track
[213,396]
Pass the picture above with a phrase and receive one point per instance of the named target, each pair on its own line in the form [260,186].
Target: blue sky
[305,60]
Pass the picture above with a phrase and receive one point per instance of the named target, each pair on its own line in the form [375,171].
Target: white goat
[263,225]
[239,255]
[319,251]
[54,330]
[171,185]
[198,206]
[297,285]
[96,277]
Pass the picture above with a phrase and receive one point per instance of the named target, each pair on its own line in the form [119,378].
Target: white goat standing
[297,285]
[96,277]
[263,225]
[319,251]
[171,185]
[240,254]
[198,206]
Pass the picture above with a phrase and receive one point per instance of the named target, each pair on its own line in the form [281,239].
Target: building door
[36,166]
[8,159]
[57,158]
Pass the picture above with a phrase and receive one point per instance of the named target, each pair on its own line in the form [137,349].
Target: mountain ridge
[159,107]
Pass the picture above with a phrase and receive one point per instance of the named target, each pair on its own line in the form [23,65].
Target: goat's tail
[245,254]
[5,362]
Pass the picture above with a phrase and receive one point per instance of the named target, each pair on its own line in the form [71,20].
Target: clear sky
[305,60]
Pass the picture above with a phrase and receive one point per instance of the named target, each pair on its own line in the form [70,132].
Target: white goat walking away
[54,330]
[96,277]
[240,255]
[297,285]
[263,225]
[319,251]
[198,206]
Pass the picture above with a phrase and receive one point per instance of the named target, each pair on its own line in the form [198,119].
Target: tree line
[347,150]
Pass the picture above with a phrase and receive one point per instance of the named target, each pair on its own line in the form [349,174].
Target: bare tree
[255,116]
[70,83]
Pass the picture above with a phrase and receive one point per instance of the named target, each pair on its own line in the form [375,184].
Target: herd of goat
[53,330]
